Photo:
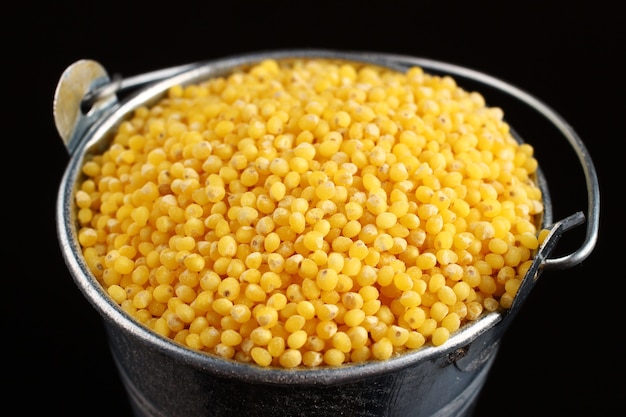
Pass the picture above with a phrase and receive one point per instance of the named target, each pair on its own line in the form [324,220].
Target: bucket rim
[116,317]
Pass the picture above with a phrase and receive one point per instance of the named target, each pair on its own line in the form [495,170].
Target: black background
[561,356]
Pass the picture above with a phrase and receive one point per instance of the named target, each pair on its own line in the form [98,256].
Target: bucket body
[165,379]
[162,382]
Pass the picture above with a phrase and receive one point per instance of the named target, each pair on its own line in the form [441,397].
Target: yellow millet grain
[311,212]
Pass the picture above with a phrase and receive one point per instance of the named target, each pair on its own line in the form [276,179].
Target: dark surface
[561,356]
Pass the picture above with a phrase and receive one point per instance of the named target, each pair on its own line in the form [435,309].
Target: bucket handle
[85,92]
[591,183]
[92,93]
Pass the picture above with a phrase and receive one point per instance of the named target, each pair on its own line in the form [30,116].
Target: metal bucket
[162,378]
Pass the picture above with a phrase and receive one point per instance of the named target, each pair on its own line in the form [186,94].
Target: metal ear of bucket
[163,378]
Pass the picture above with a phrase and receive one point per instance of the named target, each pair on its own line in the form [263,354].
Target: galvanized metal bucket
[163,378]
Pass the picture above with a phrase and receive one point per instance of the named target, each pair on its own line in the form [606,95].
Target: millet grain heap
[311,212]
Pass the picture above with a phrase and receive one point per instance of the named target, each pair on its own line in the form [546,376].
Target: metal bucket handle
[85,94]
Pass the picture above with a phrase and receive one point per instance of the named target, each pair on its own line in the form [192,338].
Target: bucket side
[160,384]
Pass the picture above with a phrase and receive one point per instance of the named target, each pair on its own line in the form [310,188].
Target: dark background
[560,357]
